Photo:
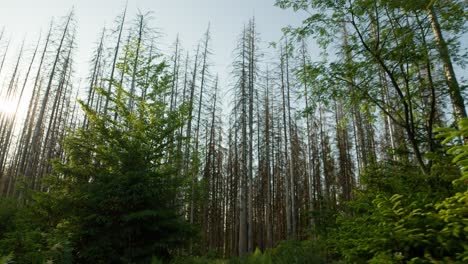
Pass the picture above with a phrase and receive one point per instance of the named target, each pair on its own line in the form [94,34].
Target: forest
[358,155]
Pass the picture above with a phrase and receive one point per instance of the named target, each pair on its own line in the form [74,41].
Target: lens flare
[7,107]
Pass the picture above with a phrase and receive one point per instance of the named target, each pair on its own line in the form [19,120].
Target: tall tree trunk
[268,226]
[450,78]
[251,82]
[291,156]
[289,230]
[189,136]
[243,214]
[15,114]
[94,77]
[114,60]
[140,26]
[35,140]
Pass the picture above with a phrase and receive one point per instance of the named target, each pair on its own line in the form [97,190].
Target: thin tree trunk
[38,127]
[114,61]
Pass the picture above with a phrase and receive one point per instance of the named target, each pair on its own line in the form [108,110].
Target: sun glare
[7,107]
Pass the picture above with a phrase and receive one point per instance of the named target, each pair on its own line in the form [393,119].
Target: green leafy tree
[390,61]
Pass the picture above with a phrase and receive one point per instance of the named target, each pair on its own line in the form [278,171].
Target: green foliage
[6,259]
[115,198]
[459,151]
[31,234]
[403,216]
[294,252]
[288,252]
[120,183]
[197,260]
[8,209]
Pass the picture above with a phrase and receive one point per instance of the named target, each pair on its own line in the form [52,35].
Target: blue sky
[189,18]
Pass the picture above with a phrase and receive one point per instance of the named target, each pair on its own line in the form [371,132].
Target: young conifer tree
[117,174]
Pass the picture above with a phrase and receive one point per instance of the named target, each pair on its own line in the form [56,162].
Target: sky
[188,18]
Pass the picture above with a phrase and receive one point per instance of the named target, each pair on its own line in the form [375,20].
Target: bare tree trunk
[29,122]
[175,74]
[114,61]
[19,145]
[268,226]
[292,188]
[94,76]
[310,169]
[251,80]
[4,55]
[38,127]
[7,122]
[189,136]
[140,26]
[55,116]
[289,230]
[243,214]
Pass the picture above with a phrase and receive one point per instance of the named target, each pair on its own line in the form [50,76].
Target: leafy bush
[30,235]
[403,216]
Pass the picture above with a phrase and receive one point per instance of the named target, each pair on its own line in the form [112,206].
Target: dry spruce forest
[357,156]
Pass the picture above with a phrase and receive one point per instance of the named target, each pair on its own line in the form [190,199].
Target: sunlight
[7,107]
